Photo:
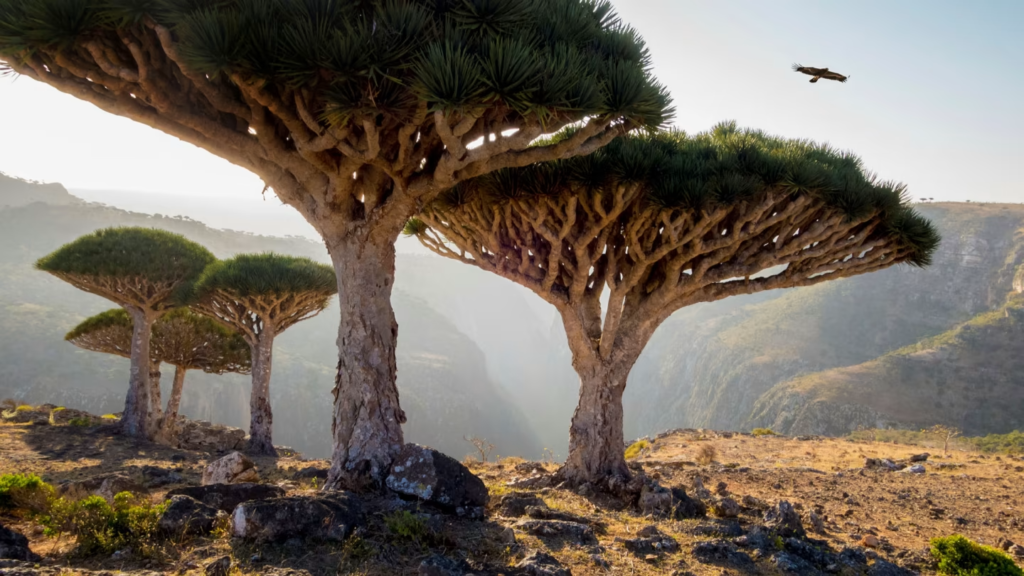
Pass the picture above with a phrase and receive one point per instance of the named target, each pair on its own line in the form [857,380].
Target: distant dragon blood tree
[356,113]
[261,296]
[181,338]
[140,269]
[656,223]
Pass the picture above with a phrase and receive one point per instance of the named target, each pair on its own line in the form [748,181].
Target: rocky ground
[774,506]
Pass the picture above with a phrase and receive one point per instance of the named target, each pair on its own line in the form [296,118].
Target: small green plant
[24,408]
[80,421]
[102,528]
[779,543]
[763,432]
[405,525]
[959,556]
[357,549]
[636,449]
[24,492]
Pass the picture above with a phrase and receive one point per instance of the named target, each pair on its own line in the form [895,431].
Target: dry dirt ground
[963,492]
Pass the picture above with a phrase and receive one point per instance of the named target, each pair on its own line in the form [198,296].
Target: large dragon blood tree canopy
[657,222]
[181,338]
[140,269]
[356,112]
[260,296]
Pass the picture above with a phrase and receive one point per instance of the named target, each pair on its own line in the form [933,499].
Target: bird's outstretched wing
[834,76]
[810,71]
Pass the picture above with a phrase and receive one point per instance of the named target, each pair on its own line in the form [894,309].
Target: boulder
[685,507]
[433,477]
[219,567]
[328,517]
[655,499]
[226,496]
[725,508]
[816,522]
[577,532]
[203,436]
[1017,551]
[438,565]
[104,485]
[155,477]
[541,564]
[185,515]
[235,468]
[722,552]
[514,505]
[14,546]
[920,457]
[915,469]
[783,520]
[650,541]
[310,473]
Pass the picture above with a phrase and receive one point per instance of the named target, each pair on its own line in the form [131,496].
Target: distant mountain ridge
[18,192]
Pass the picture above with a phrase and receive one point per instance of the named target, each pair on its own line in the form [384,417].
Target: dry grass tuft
[706,455]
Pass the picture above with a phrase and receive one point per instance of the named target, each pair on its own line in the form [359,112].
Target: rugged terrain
[872,519]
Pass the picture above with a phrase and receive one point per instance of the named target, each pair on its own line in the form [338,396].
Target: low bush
[80,421]
[24,408]
[25,492]
[959,556]
[636,449]
[406,526]
[102,528]
[706,455]
[763,432]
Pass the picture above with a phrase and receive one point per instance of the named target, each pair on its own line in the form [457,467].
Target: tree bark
[170,418]
[137,421]
[367,425]
[261,418]
[156,404]
[596,445]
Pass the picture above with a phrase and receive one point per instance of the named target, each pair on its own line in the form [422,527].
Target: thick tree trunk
[368,420]
[137,421]
[261,418]
[596,446]
[156,404]
[170,419]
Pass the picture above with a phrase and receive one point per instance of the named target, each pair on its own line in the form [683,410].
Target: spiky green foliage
[538,57]
[153,255]
[180,338]
[264,274]
[722,167]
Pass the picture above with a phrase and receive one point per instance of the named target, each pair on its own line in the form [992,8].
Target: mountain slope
[971,377]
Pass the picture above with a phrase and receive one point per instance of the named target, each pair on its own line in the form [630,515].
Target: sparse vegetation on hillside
[103,528]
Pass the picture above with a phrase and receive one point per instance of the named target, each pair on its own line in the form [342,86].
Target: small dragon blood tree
[261,296]
[140,269]
[653,223]
[181,338]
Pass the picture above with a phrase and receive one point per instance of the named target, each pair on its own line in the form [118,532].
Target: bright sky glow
[934,98]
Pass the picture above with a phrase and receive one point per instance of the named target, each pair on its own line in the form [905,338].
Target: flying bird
[819,73]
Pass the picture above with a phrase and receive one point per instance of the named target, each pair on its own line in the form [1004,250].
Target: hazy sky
[934,99]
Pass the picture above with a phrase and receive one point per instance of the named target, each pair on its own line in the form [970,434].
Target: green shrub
[959,556]
[1012,443]
[24,408]
[405,525]
[763,432]
[80,421]
[636,448]
[101,528]
[24,492]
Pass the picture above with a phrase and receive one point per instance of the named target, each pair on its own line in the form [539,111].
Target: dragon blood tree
[261,296]
[181,338]
[140,269]
[356,113]
[656,223]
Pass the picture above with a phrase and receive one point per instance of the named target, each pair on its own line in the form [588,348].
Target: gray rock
[920,457]
[219,567]
[431,476]
[915,469]
[185,515]
[725,508]
[1017,550]
[655,499]
[791,563]
[104,485]
[651,541]
[783,520]
[514,505]
[685,507]
[14,546]
[310,473]
[235,468]
[438,565]
[203,436]
[882,568]
[541,564]
[226,496]
[155,477]
[576,532]
[722,552]
[816,522]
[330,517]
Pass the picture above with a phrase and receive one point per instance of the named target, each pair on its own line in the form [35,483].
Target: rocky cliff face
[711,365]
